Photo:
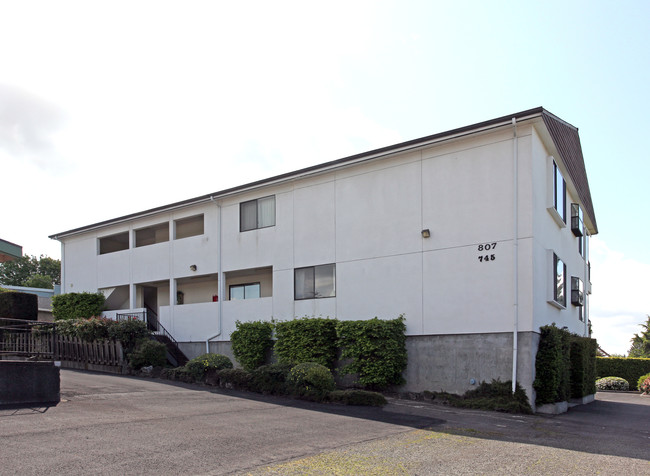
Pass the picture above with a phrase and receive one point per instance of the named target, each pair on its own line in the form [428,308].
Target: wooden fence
[105,355]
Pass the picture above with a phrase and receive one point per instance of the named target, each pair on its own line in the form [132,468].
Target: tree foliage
[641,342]
[30,271]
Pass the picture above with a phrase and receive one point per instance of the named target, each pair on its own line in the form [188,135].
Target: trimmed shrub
[148,352]
[583,366]
[628,368]
[612,383]
[357,397]
[311,380]
[76,305]
[377,349]
[306,340]
[198,366]
[238,379]
[495,396]
[271,379]
[128,332]
[17,305]
[643,384]
[251,342]
[552,366]
[95,328]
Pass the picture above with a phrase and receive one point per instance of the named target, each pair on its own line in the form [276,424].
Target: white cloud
[620,299]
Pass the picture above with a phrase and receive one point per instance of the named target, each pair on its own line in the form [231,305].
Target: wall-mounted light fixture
[426,233]
[193,267]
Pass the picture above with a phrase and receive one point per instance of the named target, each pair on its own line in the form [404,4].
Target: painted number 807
[487,246]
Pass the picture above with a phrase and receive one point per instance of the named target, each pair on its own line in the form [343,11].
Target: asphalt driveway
[108,424]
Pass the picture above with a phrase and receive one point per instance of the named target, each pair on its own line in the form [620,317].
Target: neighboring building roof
[9,251]
[564,136]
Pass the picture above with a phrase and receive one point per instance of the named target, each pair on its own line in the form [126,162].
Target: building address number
[486,258]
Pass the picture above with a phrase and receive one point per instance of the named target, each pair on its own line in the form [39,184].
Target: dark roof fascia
[567,142]
[353,159]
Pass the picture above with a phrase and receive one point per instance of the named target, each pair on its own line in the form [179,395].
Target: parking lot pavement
[120,425]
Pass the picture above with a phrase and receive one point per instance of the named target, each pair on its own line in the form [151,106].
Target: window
[186,227]
[577,291]
[559,192]
[113,243]
[315,282]
[244,291]
[559,291]
[256,214]
[152,235]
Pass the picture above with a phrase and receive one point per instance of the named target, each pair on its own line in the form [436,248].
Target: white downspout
[219,280]
[516,254]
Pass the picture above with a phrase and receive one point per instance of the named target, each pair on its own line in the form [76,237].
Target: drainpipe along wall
[220,282]
[515,160]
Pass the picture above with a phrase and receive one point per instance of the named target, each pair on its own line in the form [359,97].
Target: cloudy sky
[108,108]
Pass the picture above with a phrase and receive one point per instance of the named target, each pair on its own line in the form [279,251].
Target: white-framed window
[244,291]
[258,213]
[559,281]
[559,192]
[314,282]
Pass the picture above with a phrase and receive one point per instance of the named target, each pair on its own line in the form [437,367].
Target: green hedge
[377,349]
[583,366]
[306,340]
[17,305]
[251,342]
[552,366]
[76,305]
[628,368]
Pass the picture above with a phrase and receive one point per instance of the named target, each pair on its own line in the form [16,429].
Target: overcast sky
[109,108]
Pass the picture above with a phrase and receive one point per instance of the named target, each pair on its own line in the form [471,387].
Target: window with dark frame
[559,192]
[258,213]
[244,291]
[559,271]
[315,282]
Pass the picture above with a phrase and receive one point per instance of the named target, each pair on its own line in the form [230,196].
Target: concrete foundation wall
[446,362]
[29,383]
[450,362]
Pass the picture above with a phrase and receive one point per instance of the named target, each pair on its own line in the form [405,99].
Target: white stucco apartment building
[478,236]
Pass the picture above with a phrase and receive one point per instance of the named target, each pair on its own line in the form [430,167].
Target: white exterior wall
[367,218]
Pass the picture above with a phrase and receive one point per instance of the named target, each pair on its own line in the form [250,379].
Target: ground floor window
[245,291]
[315,282]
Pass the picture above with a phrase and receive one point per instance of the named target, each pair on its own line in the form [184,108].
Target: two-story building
[478,236]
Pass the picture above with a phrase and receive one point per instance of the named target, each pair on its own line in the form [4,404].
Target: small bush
[76,305]
[250,343]
[148,352]
[271,379]
[198,366]
[129,332]
[612,383]
[495,396]
[357,397]
[644,384]
[311,380]
[95,328]
[238,379]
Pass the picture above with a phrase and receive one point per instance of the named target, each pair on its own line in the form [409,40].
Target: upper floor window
[259,213]
[113,243]
[559,192]
[186,227]
[152,235]
[315,282]
[559,271]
